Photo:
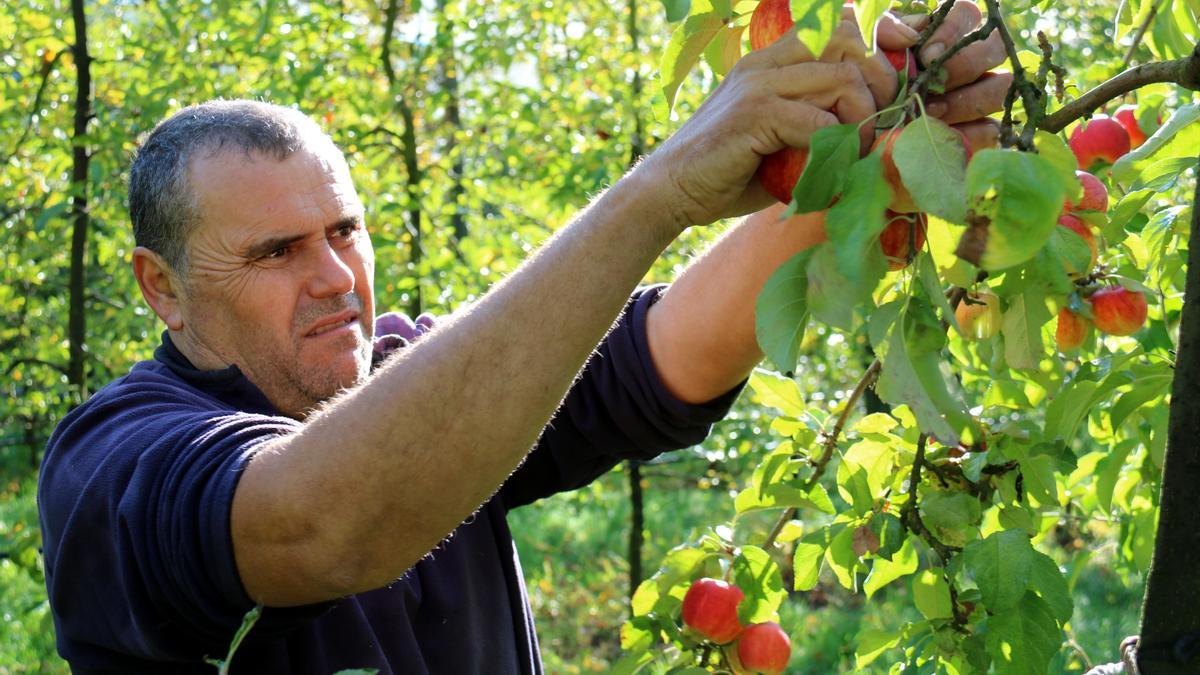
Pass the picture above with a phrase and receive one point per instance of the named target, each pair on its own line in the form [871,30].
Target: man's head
[251,247]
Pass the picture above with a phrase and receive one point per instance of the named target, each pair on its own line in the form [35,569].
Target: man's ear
[160,286]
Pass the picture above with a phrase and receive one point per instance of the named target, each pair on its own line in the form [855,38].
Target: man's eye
[280,252]
[347,231]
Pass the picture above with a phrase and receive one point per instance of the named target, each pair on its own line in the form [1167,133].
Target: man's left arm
[701,332]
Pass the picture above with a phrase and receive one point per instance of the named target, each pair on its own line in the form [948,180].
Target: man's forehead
[234,185]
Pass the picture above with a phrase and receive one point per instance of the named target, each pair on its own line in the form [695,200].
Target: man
[258,458]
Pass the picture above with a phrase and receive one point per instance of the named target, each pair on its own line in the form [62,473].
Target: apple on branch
[1081,228]
[900,241]
[1071,330]
[1127,116]
[763,648]
[1103,139]
[1118,310]
[710,610]
[1095,195]
[978,315]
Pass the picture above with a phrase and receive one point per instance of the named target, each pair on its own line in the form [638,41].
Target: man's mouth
[333,322]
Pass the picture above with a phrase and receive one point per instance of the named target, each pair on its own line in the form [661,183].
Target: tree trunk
[637,526]
[449,60]
[77,317]
[1172,604]
[409,149]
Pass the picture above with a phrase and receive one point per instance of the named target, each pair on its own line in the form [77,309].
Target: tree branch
[827,447]
[47,70]
[1185,72]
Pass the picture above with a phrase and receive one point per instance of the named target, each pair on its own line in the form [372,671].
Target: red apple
[764,648]
[1071,330]
[1101,139]
[1127,116]
[902,60]
[779,171]
[1118,310]
[1095,195]
[710,609]
[978,315]
[902,201]
[771,19]
[898,240]
[1082,229]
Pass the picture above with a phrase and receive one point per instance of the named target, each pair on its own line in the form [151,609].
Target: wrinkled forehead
[309,188]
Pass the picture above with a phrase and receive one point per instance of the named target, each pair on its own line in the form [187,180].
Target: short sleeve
[619,408]
[135,496]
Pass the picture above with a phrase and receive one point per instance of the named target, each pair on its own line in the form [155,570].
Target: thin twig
[935,22]
[828,446]
[910,517]
[47,69]
[1141,32]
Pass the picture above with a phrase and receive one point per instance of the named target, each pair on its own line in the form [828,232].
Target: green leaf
[781,312]
[758,576]
[871,644]
[832,297]
[1013,200]
[923,383]
[890,531]
[1049,582]
[931,595]
[1038,472]
[949,515]
[932,161]
[756,498]
[687,44]
[725,49]
[875,423]
[1001,566]
[867,12]
[1109,470]
[779,392]
[831,153]
[864,473]
[884,572]
[928,276]
[854,223]
[806,561]
[1022,330]
[842,559]
[1055,150]
[816,21]
[1179,136]
[1023,639]
[1145,390]
[676,9]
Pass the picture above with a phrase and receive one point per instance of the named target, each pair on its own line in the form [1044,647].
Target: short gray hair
[162,206]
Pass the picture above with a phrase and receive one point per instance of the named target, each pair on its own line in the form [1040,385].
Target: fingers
[962,19]
[974,60]
[892,33]
[981,134]
[881,78]
[829,86]
[971,102]
[797,121]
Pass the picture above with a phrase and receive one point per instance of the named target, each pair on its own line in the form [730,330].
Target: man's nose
[331,274]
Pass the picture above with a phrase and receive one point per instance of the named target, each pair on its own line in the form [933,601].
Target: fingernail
[907,32]
[936,109]
[917,21]
[932,51]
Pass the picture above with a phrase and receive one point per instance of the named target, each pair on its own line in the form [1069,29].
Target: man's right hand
[774,97]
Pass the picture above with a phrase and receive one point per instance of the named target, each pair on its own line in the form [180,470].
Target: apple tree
[1026,304]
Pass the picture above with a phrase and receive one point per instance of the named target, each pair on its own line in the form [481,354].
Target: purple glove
[395,323]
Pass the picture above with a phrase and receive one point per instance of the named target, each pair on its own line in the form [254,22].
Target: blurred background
[473,131]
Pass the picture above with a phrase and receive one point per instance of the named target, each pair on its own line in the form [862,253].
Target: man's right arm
[381,475]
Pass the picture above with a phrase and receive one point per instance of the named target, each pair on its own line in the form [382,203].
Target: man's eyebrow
[262,248]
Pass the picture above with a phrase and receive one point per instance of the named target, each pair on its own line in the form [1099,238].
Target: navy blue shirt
[135,496]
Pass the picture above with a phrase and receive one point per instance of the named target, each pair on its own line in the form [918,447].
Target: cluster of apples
[710,612]
[1114,310]
[1104,139]
[904,232]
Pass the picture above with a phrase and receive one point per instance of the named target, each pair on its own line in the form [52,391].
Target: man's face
[280,274]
